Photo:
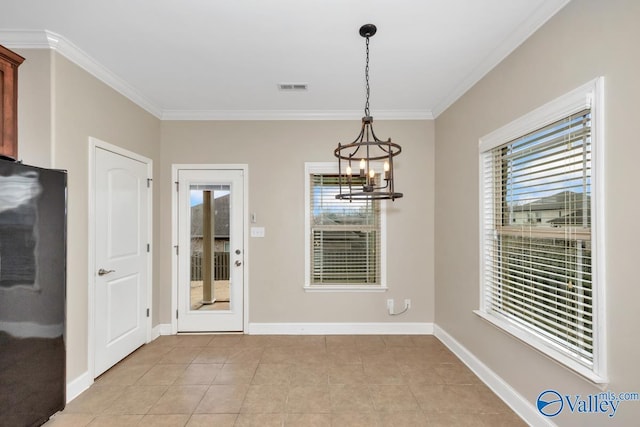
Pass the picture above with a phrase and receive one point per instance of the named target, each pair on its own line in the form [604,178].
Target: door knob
[102,272]
[238,263]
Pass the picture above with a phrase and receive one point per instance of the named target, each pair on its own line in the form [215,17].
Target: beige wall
[84,107]
[34,108]
[276,152]
[587,39]
[59,107]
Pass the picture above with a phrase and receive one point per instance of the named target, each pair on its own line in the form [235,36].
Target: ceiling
[224,59]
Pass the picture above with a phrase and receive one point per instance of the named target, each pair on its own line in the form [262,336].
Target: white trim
[589,95]
[95,143]
[175,168]
[293,115]
[544,347]
[174,246]
[373,328]
[578,99]
[36,39]
[161,329]
[598,201]
[332,167]
[77,386]
[344,288]
[536,20]
[44,39]
[28,39]
[521,406]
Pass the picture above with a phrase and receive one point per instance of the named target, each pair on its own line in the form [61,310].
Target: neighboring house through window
[540,181]
[344,240]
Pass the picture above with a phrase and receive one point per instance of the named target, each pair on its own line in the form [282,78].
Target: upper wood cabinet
[9,62]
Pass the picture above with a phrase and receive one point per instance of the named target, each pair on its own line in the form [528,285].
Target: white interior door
[121,229]
[210,250]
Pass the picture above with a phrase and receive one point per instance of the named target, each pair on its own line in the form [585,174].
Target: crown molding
[292,115]
[30,39]
[25,39]
[546,11]
[44,39]
[36,39]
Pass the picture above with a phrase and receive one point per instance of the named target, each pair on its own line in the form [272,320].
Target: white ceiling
[223,59]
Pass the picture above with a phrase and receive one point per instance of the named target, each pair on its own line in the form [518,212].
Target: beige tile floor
[249,380]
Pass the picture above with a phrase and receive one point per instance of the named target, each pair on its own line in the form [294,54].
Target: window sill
[345,288]
[544,348]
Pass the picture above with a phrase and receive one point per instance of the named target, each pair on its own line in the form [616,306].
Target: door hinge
[149,182]
[177,250]
[177,186]
[147,312]
[177,314]
[148,247]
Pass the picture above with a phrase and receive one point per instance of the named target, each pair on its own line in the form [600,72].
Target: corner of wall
[501,388]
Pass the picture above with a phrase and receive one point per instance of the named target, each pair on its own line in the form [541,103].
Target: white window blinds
[537,253]
[345,236]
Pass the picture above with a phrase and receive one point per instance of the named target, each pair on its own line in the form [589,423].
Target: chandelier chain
[366,77]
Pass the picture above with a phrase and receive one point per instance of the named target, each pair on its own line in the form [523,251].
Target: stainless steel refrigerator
[32,293]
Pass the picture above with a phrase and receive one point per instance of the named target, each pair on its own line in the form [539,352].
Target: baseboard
[341,328]
[160,329]
[77,386]
[521,406]
[84,381]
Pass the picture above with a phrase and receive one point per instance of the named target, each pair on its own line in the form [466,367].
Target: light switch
[257,231]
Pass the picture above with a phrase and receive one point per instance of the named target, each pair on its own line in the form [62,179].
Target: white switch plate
[257,231]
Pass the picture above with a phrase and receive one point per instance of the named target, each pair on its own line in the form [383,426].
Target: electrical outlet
[390,305]
[407,303]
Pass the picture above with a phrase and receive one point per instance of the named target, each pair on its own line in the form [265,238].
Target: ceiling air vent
[293,87]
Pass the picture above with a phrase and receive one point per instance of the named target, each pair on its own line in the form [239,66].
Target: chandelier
[368,152]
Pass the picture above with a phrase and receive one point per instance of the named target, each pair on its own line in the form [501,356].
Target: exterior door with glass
[210,250]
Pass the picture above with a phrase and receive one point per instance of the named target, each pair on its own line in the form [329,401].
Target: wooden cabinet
[9,62]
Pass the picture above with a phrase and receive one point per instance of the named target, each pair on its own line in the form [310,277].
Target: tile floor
[257,380]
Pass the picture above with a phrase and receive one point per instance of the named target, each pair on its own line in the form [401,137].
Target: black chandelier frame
[366,150]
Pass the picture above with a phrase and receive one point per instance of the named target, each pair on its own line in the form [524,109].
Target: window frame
[332,168]
[591,96]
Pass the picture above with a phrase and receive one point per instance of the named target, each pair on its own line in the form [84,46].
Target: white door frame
[94,144]
[174,237]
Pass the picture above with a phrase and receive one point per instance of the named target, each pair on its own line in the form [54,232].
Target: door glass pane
[209,247]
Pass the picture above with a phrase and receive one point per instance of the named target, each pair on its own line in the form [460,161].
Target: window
[344,240]
[539,199]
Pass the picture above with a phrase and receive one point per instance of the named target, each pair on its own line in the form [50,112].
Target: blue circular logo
[550,403]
